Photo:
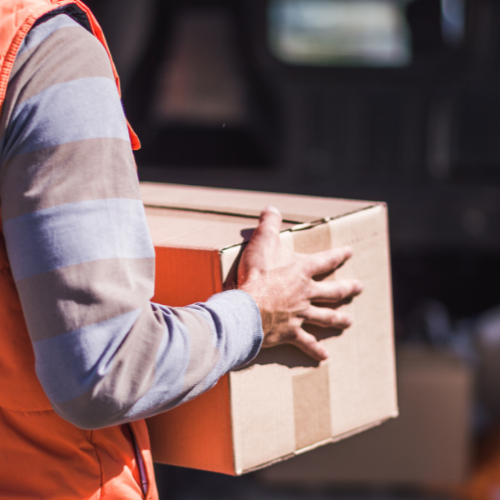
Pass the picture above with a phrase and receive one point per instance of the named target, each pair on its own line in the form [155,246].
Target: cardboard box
[428,444]
[283,403]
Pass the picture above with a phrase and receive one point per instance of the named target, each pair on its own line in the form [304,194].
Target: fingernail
[272,209]
[348,321]
[359,287]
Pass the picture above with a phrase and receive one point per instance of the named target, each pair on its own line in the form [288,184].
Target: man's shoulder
[61,46]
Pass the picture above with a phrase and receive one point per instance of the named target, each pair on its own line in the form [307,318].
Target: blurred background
[390,100]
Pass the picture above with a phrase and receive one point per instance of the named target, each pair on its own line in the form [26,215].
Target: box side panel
[362,359]
[355,388]
[196,434]
[263,415]
[185,276]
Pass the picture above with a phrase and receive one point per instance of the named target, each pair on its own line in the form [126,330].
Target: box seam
[300,225]
[309,225]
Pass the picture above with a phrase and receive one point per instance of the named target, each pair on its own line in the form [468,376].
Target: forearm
[147,361]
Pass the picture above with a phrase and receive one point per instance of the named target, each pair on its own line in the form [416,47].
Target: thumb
[269,212]
[262,243]
[269,222]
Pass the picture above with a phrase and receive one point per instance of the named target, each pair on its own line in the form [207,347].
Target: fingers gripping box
[283,403]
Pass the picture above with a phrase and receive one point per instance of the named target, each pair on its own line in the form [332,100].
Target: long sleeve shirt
[81,253]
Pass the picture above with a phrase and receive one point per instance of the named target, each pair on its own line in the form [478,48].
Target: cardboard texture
[429,442]
[283,403]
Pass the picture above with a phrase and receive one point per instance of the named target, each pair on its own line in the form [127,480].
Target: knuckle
[269,229]
[308,340]
[310,263]
[310,290]
[335,259]
[347,292]
[338,293]
[259,231]
[311,345]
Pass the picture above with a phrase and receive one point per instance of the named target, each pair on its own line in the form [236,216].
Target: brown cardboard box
[428,443]
[283,403]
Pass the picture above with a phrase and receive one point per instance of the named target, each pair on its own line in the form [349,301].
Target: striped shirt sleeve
[81,253]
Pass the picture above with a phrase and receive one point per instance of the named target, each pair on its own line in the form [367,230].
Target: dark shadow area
[182,484]
[286,355]
[197,49]
[188,146]
[465,282]
[424,18]
[246,234]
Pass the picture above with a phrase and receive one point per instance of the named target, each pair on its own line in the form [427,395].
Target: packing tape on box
[310,390]
[311,385]
[312,239]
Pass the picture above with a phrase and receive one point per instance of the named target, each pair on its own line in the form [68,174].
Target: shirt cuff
[242,322]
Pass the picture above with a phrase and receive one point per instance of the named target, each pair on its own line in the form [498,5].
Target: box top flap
[199,230]
[247,203]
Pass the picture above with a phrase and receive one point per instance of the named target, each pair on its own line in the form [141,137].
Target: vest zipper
[140,464]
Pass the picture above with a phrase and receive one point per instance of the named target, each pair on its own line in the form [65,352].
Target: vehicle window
[373,33]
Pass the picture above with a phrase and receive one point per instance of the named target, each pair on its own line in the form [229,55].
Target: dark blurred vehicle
[393,100]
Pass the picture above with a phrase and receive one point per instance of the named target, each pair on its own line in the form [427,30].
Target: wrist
[255,291]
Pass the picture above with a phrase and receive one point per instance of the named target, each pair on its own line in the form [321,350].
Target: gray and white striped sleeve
[80,250]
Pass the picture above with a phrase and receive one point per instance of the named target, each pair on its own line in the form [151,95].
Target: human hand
[281,283]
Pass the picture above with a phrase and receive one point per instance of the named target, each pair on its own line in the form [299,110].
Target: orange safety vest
[41,454]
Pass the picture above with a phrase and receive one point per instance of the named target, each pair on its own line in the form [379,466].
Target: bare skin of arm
[281,283]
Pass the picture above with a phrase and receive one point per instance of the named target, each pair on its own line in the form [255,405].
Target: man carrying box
[84,355]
